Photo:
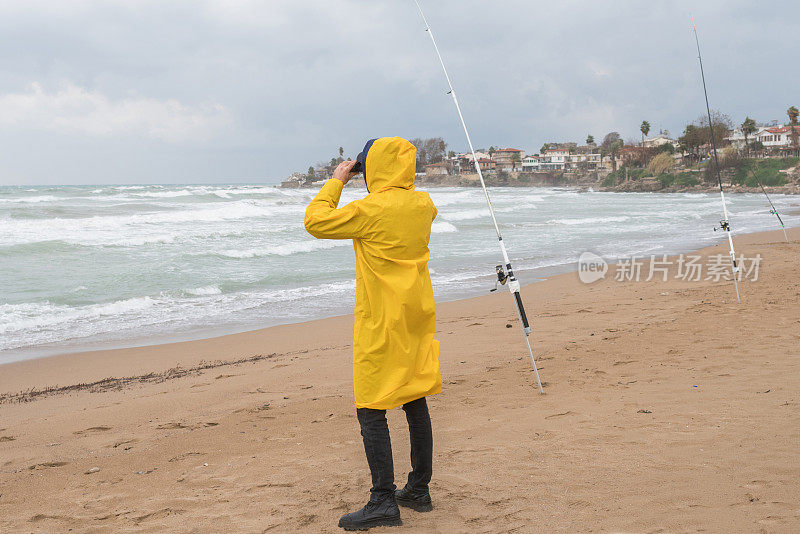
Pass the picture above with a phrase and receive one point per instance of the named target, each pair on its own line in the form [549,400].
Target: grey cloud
[298,79]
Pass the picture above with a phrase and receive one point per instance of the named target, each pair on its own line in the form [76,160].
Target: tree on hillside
[311,172]
[614,149]
[698,134]
[590,139]
[645,129]
[514,160]
[544,147]
[451,154]
[341,152]
[638,156]
[608,139]
[793,113]
[723,125]
[611,146]
[492,150]
[429,151]
[748,129]
[661,163]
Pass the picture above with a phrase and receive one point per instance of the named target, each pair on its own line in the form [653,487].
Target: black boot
[374,514]
[416,500]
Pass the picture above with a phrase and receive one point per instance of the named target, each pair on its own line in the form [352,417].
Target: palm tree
[590,139]
[793,113]
[748,129]
[492,150]
[341,152]
[514,161]
[614,150]
[645,129]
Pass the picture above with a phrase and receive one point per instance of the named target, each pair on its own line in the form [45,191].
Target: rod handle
[522,314]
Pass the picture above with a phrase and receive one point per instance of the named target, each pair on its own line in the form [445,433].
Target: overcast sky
[165,92]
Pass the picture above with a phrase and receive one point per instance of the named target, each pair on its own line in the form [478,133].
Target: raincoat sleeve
[324,221]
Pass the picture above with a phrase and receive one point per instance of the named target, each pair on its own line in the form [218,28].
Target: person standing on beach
[395,356]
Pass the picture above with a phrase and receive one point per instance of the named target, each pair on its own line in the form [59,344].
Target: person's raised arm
[324,221]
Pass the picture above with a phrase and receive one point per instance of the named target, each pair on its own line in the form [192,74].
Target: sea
[91,267]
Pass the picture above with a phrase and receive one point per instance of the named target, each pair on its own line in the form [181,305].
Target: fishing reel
[501,277]
[723,225]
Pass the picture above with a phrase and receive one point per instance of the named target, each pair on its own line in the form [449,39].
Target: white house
[661,139]
[530,163]
[774,136]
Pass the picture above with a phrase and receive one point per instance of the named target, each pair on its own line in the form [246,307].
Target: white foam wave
[32,199]
[27,316]
[119,229]
[284,249]
[589,220]
[443,227]
[163,194]
[204,291]
[477,213]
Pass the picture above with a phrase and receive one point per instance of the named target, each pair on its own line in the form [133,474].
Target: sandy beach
[668,407]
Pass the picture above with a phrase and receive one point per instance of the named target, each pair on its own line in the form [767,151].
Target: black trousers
[378,447]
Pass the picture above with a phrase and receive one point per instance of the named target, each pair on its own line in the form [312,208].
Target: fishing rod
[774,210]
[503,275]
[724,224]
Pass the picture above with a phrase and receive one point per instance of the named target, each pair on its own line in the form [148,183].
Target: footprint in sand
[181,426]
[7,438]
[184,456]
[553,416]
[44,517]
[92,430]
[158,514]
[172,426]
[47,464]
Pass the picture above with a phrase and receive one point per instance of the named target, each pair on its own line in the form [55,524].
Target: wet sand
[668,407]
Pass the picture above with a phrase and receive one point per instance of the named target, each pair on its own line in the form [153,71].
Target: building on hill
[774,137]
[437,169]
[296,179]
[462,163]
[583,158]
[554,157]
[530,163]
[503,158]
[487,165]
[661,139]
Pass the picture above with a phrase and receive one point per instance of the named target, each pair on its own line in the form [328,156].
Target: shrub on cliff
[662,163]
[682,179]
[751,171]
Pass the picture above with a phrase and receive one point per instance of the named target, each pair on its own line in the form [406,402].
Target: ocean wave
[162,194]
[448,199]
[27,316]
[118,228]
[443,227]
[477,213]
[204,291]
[588,220]
[32,199]
[284,249]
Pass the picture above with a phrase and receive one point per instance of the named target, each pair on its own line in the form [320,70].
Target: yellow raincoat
[395,357]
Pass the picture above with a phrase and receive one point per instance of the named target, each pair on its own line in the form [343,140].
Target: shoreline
[659,396]
[198,334]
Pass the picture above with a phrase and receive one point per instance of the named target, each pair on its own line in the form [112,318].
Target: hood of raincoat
[388,162]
